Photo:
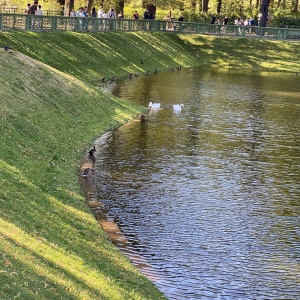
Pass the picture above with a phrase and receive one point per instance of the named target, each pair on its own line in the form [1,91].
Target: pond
[208,198]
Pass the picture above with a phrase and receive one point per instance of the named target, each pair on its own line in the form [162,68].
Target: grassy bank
[51,111]
[93,56]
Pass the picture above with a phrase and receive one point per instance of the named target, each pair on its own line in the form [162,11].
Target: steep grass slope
[92,56]
[51,247]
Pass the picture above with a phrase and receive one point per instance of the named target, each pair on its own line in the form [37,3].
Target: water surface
[209,197]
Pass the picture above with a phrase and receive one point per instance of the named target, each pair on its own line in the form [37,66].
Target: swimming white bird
[154,105]
[177,107]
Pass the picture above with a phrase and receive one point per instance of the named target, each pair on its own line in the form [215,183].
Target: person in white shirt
[104,16]
[39,12]
[100,12]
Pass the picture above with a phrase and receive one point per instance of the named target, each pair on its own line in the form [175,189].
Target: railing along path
[22,22]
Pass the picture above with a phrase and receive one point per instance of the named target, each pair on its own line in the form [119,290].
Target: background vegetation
[281,12]
[51,111]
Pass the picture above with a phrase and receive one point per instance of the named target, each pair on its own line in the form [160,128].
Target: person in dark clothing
[213,19]
[33,8]
[146,15]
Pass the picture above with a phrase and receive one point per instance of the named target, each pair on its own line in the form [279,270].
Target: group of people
[34,9]
[111,14]
[83,12]
[146,15]
[237,21]
[173,24]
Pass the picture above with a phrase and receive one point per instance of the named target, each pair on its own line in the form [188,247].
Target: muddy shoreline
[112,229]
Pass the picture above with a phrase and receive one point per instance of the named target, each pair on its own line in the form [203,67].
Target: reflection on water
[209,197]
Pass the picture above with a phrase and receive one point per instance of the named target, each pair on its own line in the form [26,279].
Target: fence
[22,22]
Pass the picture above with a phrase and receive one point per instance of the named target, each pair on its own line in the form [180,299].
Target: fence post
[28,22]
[54,24]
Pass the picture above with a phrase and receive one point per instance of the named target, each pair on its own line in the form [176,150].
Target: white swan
[154,105]
[177,107]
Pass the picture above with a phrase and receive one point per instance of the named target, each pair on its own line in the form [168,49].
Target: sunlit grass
[51,111]
[51,245]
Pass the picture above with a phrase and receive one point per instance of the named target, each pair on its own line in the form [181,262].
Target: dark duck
[92,151]
[87,172]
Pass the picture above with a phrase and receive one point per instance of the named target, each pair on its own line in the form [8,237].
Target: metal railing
[22,22]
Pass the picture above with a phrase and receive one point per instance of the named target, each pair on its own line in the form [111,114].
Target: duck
[87,172]
[154,105]
[155,71]
[177,107]
[7,48]
[143,118]
[92,151]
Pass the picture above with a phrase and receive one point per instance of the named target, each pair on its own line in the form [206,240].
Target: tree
[264,13]
[219,6]
[205,5]
[295,4]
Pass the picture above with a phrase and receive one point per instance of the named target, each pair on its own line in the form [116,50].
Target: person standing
[39,12]
[94,13]
[213,19]
[146,15]
[27,8]
[72,13]
[135,15]
[100,12]
[33,8]
[111,13]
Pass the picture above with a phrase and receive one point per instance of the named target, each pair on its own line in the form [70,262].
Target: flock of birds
[132,75]
[142,118]
[156,106]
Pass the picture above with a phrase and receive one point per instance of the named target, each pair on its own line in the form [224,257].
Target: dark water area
[209,197]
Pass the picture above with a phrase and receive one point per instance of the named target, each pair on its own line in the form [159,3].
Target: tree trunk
[219,6]
[121,6]
[295,5]
[205,5]
[257,4]
[68,7]
[264,13]
[89,5]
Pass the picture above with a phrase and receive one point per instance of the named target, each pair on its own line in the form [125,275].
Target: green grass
[51,110]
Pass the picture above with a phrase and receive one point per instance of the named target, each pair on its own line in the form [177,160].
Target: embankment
[51,111]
